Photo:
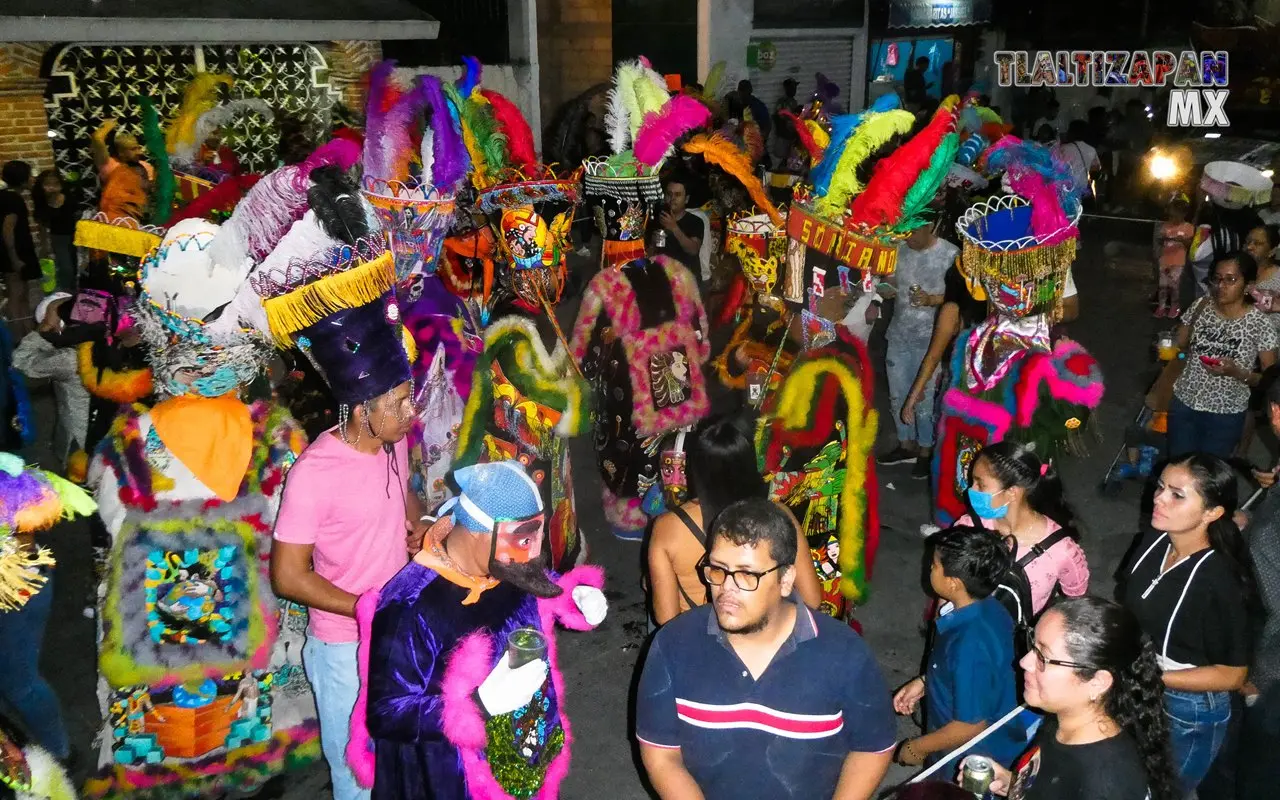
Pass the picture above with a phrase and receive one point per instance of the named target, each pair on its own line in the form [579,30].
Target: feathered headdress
[182,139]
[883,203]
[873,133]
[813,137]
[222,115]
[1042,179]
[515,130]
[166,187]
[662,128]
[31,500]
[842,130]
[723,153]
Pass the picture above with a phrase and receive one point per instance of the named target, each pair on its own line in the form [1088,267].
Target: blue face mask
[223,380]
[981,502]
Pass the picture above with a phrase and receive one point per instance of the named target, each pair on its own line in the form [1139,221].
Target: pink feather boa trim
[360,755]
[471,662]
[1041,368]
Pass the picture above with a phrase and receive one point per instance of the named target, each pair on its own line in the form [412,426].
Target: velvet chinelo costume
[426,653]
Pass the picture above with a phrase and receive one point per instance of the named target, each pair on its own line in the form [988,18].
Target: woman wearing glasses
[1093,672]
[1190,585]
[1222,338]
[722,471]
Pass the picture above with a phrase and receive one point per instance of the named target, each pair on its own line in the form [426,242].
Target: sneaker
[1174,312]
[1159,313]
[898,455]
[923,467]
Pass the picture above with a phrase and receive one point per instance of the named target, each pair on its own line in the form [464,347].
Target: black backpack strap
[693,527]
[696,530]
[1040,548]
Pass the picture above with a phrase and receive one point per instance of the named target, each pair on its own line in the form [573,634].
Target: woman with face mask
[1014,493]
[1190,585]
[1093,672]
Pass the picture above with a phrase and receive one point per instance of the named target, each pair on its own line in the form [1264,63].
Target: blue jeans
[1192,431]
[22,688]
[1197,728]
[902,361]
[335,681]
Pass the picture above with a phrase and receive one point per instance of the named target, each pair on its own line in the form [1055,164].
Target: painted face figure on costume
[675,483]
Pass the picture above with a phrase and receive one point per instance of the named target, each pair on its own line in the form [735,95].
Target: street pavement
[601,667]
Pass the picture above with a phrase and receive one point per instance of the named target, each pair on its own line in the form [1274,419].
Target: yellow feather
[200,96]
[869,137]
[820,135]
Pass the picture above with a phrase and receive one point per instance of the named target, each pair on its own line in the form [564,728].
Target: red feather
[880,204]
[805,136]
[520,150]
[733,300]
[222,197]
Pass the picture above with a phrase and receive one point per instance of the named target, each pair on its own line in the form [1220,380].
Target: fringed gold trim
[307,305]
[114,238]
[19,580]
[1038,262]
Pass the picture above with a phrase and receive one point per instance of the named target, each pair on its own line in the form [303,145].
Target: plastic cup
[525,645]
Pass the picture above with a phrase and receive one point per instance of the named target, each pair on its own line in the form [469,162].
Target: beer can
[976,775]
[913,294]
[660,239]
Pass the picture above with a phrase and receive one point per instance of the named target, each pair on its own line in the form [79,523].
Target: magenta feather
[342,153]
[381,99]
[659,131]
[451,160]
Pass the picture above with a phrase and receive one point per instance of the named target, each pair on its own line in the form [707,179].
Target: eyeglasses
[744,579]
[1043,662]
[1228,280]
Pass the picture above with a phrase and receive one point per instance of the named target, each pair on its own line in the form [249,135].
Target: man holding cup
[463,695]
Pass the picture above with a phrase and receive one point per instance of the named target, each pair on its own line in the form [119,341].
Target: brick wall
[349,61]
[575,49]
[24,127]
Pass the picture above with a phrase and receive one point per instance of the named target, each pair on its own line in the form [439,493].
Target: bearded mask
[675,483]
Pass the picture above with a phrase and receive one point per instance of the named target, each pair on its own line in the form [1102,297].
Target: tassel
[307,305]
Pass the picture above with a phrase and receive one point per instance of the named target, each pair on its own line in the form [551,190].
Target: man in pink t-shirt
[348,522]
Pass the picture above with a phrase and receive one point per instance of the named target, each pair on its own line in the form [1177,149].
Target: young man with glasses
[753,695]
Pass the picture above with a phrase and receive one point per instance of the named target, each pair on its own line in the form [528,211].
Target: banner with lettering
[848,248]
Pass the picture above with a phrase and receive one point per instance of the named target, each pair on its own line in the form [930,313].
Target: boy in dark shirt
[970,680]
[680,234]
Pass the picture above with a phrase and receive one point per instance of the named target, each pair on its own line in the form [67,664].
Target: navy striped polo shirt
[784,735]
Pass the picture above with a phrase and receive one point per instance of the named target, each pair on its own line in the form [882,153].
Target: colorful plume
[448,153]
[623,107]
[661,129]
[805,134]
[724,154]
[874,133]
[521,153]
[472,72]
[383,96]
[842,130]
[166,186]
[881,203]
[201,95]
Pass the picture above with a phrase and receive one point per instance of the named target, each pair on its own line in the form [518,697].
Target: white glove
[507,689]
[590,601]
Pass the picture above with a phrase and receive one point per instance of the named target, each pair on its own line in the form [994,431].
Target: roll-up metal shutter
[801,59]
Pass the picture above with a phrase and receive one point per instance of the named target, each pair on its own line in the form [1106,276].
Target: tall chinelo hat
[183,291]
[644,122]
[414,159]
[1019,245]
[328,287]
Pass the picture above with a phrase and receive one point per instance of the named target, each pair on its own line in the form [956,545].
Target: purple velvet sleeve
[404,657]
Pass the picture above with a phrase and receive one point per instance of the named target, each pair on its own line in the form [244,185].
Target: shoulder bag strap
[695,529]
[1041,547]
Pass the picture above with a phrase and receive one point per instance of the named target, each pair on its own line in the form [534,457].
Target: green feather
[486,144]
[922,192]
[874,132]
[166,187]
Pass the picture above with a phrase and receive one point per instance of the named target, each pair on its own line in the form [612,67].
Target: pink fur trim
[623,512]
[563,609]
[1042,368]
[966,406]
[468,665]
[360,756]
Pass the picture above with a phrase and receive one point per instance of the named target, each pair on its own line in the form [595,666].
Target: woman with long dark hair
[1190,587]
[722,469]
[1014,493]
[1094,673]
[1223,337]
